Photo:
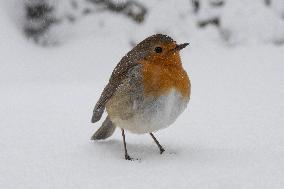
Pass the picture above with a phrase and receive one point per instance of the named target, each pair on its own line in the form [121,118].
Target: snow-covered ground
[230,137]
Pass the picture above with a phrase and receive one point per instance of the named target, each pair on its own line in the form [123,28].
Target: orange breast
[160,77]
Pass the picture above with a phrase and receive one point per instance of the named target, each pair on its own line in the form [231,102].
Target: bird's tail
[105,131]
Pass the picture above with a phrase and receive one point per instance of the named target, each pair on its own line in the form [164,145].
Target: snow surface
[231,136]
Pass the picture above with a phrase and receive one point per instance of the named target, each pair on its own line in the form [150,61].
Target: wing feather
[118,75]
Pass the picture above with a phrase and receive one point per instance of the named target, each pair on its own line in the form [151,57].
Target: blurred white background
[56,57]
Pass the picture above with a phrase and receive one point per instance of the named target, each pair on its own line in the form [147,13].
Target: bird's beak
[181,46]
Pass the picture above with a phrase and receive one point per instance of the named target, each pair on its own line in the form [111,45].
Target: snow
[253,23]
[230,136]
[278,6]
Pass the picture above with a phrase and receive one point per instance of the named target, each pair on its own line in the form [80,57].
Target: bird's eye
[158,49]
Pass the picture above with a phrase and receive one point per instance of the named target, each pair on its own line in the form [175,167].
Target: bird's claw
[127,157]
[162,150]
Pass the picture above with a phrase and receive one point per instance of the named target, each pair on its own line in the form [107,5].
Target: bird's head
[159,49]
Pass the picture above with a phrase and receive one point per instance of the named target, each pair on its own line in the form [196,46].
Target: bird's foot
[127,157]
[162,150]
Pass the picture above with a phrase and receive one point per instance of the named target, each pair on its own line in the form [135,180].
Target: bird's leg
[157,142]
[127,157]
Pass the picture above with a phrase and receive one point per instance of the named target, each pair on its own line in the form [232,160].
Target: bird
[147,91]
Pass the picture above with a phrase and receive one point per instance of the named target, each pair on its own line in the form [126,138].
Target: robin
[146,92]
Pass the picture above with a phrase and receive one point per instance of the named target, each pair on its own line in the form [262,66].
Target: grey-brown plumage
[128,91]
[105,131]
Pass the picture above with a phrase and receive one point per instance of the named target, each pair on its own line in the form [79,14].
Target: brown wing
[118,75]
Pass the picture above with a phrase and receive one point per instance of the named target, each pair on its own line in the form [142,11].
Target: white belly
[156,115]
